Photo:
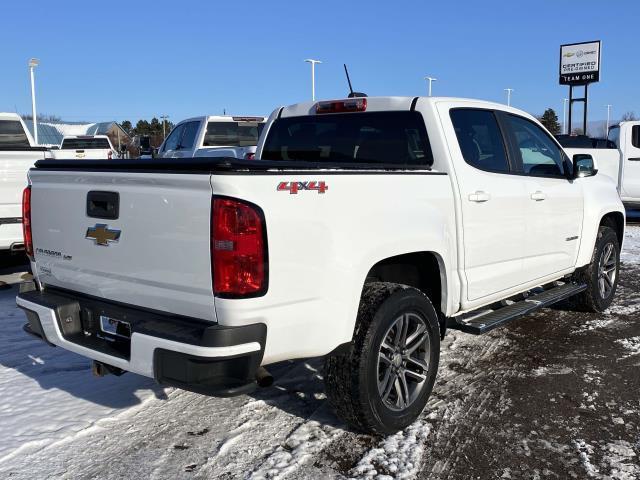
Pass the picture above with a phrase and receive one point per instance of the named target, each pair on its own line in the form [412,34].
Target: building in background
[50,133]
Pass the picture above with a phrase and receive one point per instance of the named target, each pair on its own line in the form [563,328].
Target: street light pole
[313,76]
[430,80]
[509,91]
[606,132]
[564,115]
[164,123]
[33,63]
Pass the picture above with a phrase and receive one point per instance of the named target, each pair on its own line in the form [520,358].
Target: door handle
[479,197]
[538,196]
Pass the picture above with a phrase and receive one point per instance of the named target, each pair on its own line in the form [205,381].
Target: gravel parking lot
[554,395]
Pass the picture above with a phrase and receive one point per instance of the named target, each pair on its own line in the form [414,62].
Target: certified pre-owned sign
[580,63]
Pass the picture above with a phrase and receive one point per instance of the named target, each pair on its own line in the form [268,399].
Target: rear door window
[369,137]
[635,136]
[173,140]
[12,135]
[189,135]
[480,139]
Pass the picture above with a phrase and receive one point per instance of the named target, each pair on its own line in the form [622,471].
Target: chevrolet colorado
[367,227]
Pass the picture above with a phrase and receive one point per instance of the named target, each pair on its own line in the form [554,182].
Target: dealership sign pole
[579,66]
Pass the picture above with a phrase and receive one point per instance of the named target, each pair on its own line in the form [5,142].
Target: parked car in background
[86,147]
[368,227]
[213,136]
[18,152]
[618,157]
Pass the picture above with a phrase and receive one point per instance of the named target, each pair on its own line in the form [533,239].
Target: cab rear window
[12,135]
[371,137]
[85,143]
[232,134]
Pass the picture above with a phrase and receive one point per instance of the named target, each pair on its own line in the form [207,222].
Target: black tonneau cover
[210,165]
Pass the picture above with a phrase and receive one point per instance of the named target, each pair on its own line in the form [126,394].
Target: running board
[484,323]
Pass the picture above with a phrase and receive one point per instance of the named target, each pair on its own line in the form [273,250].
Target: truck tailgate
[155,254]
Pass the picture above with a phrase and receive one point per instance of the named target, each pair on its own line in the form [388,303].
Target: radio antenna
[348,80]
[352,94]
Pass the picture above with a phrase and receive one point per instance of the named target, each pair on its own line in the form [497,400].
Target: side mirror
[583,166]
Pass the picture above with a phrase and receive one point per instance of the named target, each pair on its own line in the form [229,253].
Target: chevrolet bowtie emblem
[102,234]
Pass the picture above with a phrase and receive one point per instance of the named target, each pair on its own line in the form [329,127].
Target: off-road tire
[591,300]
[351,378]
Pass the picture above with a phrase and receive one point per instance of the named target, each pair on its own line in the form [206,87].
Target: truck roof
[9,116]
[84,136]
[226,118]
[381,104]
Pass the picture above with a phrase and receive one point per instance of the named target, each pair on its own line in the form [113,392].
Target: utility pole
[606,132]
[430,80]
[509,92]
[33,63]
[164,124]
[313,76]
[564,115]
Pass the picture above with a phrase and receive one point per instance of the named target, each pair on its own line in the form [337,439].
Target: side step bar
[479,324]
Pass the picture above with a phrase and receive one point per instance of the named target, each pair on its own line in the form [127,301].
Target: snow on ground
[551,396]
[631,246]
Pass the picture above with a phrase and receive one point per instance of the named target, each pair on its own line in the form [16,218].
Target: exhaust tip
[263,377]
[100,369]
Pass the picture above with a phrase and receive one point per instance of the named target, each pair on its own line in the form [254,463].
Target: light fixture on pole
[430,80]
[509,92]
[606,132]
[564,115]
[33,63]
[164,123]
[313,76]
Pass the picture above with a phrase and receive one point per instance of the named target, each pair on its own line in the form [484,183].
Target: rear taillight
[110,155]
[341,106]
[238,249]
[250,156]
[26,221]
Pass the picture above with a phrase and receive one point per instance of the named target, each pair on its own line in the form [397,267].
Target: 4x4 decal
[294,187]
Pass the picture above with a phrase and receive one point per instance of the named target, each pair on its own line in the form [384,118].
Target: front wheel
[382,383]
[601,275]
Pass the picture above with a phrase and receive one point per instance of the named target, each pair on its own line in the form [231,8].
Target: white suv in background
[213,136]
[86,147]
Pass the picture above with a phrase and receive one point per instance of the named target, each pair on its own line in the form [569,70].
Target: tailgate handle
[104,205]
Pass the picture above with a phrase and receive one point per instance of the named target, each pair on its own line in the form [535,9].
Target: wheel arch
[616,221]
[424,270]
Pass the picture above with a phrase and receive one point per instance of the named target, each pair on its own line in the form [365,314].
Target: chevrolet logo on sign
[102,234]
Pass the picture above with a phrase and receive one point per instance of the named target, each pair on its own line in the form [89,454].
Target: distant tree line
[41,117]
[144,127]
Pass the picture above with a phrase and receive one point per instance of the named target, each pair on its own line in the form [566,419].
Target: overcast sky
[100,62]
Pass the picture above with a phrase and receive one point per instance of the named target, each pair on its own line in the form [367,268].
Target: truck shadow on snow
[56,368]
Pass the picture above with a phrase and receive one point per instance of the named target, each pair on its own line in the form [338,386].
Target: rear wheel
[601,275]
[383,381]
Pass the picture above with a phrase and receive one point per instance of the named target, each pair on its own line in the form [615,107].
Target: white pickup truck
[365,229]
[622,163]
[86,147]
[213,136]
[18,153]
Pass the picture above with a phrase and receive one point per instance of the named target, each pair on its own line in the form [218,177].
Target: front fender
[600,199]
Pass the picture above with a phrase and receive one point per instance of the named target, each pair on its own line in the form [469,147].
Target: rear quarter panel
[321,247]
